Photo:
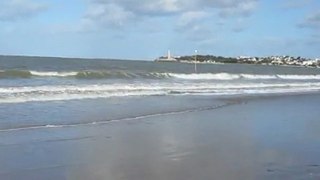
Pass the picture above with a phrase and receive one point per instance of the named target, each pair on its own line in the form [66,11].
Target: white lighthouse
[167,58]
[169,55]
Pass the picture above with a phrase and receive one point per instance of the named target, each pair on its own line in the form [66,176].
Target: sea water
[48,92]
[116,119]
[26,79]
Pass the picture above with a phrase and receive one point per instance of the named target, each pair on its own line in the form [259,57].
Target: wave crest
[15,74]
[206,76]
[150,75]
[69,92]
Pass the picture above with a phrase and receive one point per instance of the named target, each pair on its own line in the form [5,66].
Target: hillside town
[269,60]
[280,60]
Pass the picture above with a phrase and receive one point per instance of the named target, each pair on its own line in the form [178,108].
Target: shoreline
[220,63]
[218,102]
[253,138]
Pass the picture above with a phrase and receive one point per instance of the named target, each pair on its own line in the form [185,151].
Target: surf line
[200,109]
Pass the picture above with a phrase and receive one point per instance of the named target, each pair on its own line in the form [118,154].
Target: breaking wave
[227,76]
[82,74]
[70,92]
[53,74]
[149,75]
[205,76]
[29,74]
[15,74]
[163,84]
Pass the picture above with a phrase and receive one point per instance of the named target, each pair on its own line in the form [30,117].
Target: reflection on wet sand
[261,139]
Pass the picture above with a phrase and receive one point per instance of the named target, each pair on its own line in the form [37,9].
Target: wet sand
[270,137]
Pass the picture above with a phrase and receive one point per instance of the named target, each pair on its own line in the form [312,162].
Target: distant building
[167,58]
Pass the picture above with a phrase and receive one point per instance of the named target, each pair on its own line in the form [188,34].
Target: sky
[147,29]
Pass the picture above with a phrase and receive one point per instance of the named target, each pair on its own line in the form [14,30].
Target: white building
[168,58]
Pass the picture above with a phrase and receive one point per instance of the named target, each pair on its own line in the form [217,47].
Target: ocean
[64,118]
[30,79]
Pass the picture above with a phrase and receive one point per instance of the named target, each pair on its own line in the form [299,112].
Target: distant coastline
[202,59]
[269,60]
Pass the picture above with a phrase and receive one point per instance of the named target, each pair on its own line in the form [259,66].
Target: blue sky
[146,29]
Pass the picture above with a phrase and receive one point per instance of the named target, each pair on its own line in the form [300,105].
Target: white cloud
[189,18]
[144,7]
[11,10]
[120,12]
[108,14]
[243,9]
[194,20]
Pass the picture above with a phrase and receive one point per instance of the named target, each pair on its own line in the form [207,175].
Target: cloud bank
[122,12]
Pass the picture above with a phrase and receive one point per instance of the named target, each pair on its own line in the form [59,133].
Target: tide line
[207,108]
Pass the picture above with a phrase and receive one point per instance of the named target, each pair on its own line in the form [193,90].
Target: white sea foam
[96,88]
[228,76]
[255,76]
[299,77]
[206,76]
[121,75]
[53,73]
[52,126]
[69,92]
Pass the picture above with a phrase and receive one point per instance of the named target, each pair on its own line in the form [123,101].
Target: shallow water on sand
[271,137]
